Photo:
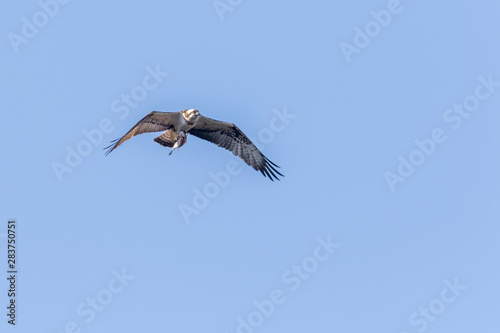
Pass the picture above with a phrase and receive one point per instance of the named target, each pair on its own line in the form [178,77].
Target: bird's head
[191,114]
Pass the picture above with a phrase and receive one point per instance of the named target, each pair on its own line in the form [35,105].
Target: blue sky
[383,116]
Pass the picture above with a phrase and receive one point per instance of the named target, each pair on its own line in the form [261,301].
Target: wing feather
[230,137]
[154,121]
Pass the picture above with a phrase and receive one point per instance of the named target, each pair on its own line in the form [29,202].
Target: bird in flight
[177,125]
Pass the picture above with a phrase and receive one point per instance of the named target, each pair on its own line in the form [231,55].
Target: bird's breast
[186,125]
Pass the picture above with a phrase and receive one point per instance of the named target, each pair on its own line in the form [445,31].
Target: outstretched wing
[230,137]
[154,121]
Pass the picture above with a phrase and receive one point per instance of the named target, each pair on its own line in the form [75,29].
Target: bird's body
[176,126]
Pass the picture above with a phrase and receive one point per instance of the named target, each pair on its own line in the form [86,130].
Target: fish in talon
[181,140]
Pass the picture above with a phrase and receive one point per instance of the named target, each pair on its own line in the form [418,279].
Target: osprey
[177,125]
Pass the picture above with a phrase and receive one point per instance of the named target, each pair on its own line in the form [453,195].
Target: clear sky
[383,116]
